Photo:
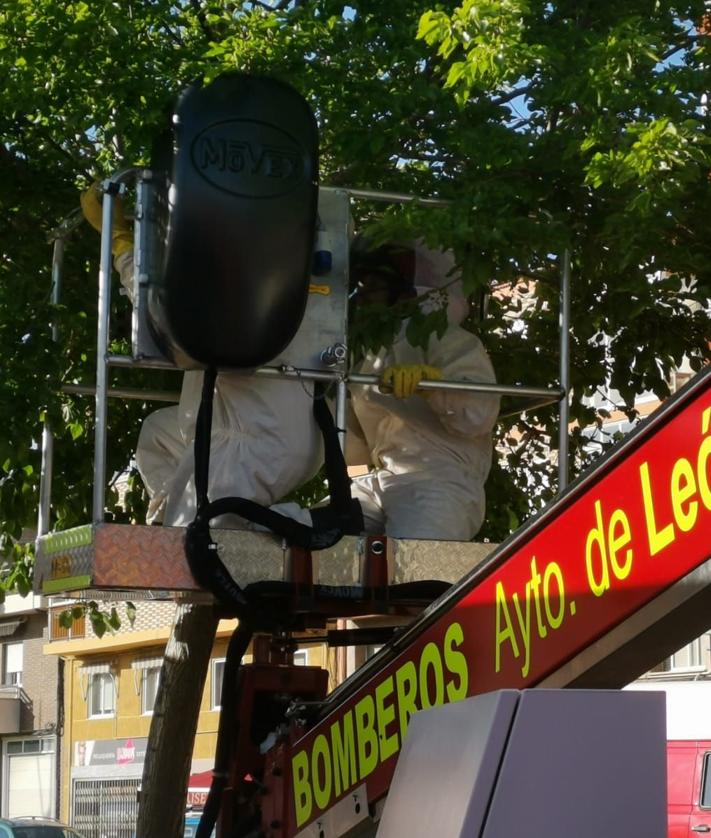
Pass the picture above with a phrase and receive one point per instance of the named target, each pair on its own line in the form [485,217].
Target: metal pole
[553,395]
[341,402]
[45,488]
[102,367]
[125,393]
[469,387]
[395,197]
[564,408]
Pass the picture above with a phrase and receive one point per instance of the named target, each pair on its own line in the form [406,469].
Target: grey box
[539,763]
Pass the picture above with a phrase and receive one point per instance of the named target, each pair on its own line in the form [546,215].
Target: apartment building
[109,690]
[30,710]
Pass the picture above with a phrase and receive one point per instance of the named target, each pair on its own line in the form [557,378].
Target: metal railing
[105,808]
[102,391]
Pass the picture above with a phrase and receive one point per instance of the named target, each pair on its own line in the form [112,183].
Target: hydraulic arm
[623,550]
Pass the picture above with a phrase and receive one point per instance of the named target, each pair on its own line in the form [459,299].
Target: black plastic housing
[241,206]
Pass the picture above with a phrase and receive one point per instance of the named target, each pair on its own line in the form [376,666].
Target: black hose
[342,516]
[228,728]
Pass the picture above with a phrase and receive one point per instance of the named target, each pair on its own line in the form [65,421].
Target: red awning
[202,780]
[198,787]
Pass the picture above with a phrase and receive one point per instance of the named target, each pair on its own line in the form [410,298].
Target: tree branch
[690,40]
[277,7]
[58,147]
[172,35]
[202,20]
[425,157]
[512,94]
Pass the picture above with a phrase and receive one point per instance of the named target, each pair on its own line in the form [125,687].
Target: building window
[29,746]
[102,695]
[149,688]
[301,657]
[146,677]
[28,770]
[218,672]
[59,632]
[688,657]
[679,379]
[692,659]
[12,665]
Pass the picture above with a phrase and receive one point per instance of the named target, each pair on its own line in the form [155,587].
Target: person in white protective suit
[264,441]
[430,451]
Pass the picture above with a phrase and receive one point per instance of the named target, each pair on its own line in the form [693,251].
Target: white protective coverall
[431,453]
[264,444]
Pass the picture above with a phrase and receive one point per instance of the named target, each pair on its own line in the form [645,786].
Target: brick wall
[40,674]
[40,680]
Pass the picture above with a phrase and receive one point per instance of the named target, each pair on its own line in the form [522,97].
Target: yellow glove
[403,379]
[121,233]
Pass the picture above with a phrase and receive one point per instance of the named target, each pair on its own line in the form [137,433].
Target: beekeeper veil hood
[436,269]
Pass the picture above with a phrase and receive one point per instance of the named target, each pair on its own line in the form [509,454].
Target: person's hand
[403,379]
[121,233]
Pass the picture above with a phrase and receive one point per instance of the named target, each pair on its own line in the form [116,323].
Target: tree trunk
[161,809]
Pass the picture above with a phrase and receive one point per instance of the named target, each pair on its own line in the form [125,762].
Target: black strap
[342,516]
[203,430]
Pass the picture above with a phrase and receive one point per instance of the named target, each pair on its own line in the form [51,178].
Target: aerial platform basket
[376,574]
[107,560]
[358,575]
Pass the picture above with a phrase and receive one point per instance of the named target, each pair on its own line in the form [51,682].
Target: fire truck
[446,728]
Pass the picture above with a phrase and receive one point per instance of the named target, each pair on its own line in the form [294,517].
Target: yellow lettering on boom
[553,570]
[385,713]
[374,729]
[619,536]
[536,581]
[303,802]
[702,472]
[364,712]
[456,663]
[406,690]
[507,633]
[431,659]
[345,772]
[598,583]
[322,778]
[658,539]
[683,488]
